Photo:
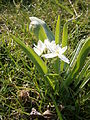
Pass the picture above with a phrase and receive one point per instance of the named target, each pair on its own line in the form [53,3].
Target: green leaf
[85,81]
[79,62]
[41,30]
[74,56]
[57,32]
[77,50]
[56,65]
[56,107]
[48,32]
[41,34]
[81,74]
[64,42]
[81,57]
[50,82]
[57,41]
[42,68]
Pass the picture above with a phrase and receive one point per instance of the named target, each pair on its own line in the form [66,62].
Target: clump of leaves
[70,72]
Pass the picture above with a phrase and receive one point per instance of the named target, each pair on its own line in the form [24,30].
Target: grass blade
[86,97]
[57,109]
[64,7]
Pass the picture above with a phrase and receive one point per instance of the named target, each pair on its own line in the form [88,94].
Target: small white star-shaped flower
[57,51]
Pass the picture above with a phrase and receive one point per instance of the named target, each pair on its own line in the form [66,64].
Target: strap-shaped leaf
[77,50]
[75,55]
[39,32]
[82,73]
[43,29]
[57,32]
[42,68]
[79,62]
[57,41]
[64,42]
[81,57]
[85,81]
[57,109]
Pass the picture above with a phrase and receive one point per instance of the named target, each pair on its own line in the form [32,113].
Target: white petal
[40,44]
[64,49]
[52,47]
[35,45]
[60,45]
[51,55]
[61,50]
[53,42]
[62,57]
[46,42]
[30,26]
[39,48]
[37,51]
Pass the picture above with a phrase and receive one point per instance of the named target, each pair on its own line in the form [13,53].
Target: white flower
[53,50]
[49,45]
[42,47]
[56,50]
[39,48]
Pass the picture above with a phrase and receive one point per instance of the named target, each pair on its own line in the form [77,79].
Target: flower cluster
[52,49]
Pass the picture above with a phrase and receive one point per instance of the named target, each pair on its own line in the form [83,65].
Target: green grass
[17,72]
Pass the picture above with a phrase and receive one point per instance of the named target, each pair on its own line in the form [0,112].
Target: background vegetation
[21,85]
